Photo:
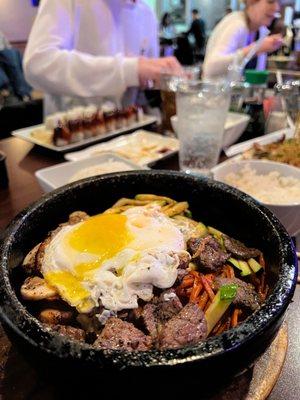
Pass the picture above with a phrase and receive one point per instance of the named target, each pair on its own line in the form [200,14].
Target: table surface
[23,160]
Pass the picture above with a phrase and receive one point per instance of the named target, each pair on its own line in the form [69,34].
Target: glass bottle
[253,104]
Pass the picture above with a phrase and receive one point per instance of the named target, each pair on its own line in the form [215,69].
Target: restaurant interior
[150,199]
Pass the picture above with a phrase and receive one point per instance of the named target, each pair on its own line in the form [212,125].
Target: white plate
[266,139]
[59,175]
[25,134]
[140,147]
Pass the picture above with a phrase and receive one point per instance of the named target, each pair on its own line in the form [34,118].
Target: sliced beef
[184,260]
[168,305]
[186,328]
[160,310]
[149,318]
[239,250]
[246,294]
[72,333]
[122,335]
[207,253]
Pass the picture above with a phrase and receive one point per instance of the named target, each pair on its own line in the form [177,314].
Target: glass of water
[202,109]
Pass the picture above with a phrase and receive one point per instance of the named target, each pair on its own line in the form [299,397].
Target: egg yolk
[103,236]
[71,288]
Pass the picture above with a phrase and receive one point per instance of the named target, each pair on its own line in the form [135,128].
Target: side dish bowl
[289,213]
[213,203]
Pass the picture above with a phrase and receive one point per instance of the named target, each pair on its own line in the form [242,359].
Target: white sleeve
[226,46]
[152,32]
[50,65]
[154,45]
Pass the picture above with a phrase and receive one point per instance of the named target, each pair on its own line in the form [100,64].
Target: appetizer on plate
[82,123]
[284,150]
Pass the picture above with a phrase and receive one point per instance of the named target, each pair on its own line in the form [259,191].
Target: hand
[271,43]
[151,69]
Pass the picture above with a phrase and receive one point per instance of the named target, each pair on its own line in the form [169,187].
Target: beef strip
[246,295]
[207,253]
[122,335]
[149,319]
[239,250]
[160,310]
[73,333]
[184,260]
[186,328]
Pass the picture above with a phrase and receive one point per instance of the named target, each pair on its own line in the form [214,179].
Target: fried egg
[114,259]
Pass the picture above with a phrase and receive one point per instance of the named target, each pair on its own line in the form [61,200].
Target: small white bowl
[59,175]
[288,214]
[235,125]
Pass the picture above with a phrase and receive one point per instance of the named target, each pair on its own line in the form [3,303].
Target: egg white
[149,260]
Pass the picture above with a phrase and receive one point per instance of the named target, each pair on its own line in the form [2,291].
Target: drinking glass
[202,109]
[168,86]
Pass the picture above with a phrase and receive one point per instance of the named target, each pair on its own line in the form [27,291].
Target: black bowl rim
[19,319]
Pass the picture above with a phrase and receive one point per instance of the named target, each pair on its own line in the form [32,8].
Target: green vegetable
[218,235]
[188,214]
[228,292]
[219,306]
[241,265]
[214,232]
[254,265]
[244,267]
[202,230]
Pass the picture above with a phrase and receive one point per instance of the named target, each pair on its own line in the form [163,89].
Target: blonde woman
[235,35]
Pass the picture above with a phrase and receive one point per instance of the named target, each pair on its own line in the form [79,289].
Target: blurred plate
[59,175]
[26,134]
[266,139]
[141,147]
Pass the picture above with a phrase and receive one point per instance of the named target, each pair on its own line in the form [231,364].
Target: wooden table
[23,160]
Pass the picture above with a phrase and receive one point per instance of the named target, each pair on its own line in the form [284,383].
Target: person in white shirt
[84,51]
[235,35]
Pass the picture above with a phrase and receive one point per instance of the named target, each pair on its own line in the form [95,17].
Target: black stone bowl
[213,203]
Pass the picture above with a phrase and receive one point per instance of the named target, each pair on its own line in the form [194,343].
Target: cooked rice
[271,188]
[99,169]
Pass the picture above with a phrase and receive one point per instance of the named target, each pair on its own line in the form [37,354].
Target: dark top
[198,30]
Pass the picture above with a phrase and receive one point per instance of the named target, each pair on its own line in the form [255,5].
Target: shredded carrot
[230,271]
[189,291]
[195,291]
[235,317]
[223,327]
[261,287]
[216,328]
[203,300]
[207,287]
[187,282]
[210,278]
[262,261]
[195,274]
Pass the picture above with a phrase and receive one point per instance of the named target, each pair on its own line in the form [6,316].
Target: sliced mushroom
[29,263]
[77,216]
[55,317]
[35,289]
